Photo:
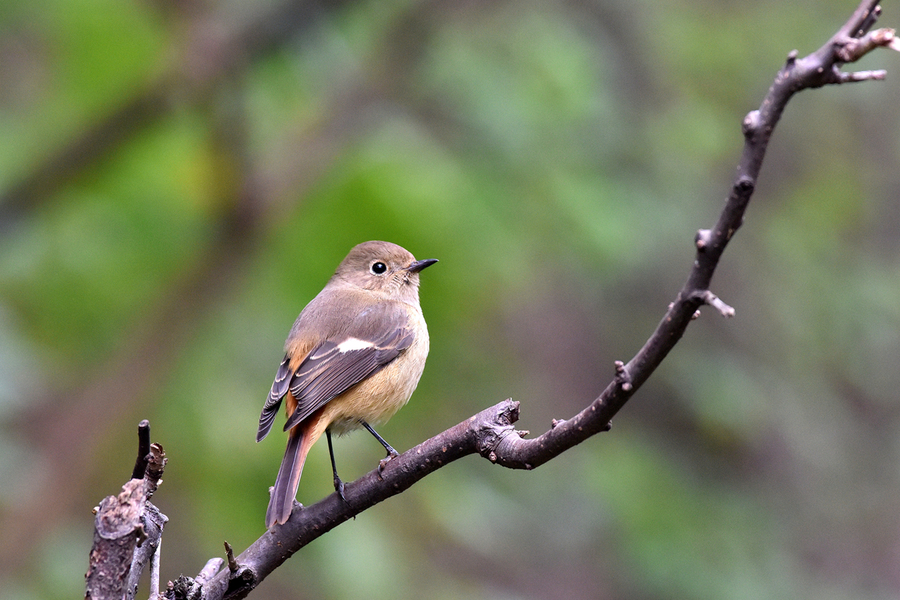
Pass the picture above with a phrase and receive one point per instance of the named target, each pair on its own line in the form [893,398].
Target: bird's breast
[378,397]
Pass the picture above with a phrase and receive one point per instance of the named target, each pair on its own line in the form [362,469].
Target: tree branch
[128,528]
[491,432]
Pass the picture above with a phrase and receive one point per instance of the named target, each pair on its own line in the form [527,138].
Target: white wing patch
[351,344]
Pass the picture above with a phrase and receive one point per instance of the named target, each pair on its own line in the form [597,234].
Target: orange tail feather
[281,503]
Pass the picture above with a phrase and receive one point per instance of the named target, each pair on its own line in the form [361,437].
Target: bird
[352,359]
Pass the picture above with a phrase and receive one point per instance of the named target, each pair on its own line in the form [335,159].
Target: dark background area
[178,179]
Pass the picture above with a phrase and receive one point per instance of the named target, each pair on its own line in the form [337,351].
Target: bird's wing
[371,340]
[273,402]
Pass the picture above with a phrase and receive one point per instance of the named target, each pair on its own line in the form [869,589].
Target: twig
[140,463]
[154,571]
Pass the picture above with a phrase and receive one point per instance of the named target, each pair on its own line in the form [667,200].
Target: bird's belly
[378,398]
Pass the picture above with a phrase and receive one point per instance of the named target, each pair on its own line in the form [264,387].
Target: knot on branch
[703,239]
[791,59]
[623,378]
[243,579]
[744,185]
[750,124]
[492,430]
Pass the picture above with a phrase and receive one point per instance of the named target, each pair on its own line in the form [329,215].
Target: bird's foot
[392,454]
[339,487]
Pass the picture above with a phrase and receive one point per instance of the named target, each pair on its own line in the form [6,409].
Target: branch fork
[851,49]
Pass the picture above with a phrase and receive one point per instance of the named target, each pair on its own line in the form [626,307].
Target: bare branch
[140,463]
[482,433]
[128,530]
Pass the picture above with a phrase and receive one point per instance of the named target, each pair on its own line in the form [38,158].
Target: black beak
[421,264]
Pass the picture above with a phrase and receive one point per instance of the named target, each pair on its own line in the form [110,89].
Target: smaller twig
[862,19]
[857,76]
[852,49]
[240,576]
[868,22]
[140,464]
[229,554]
[154,571]
[712,300]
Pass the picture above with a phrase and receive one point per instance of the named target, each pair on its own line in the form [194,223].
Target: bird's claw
[392,454]
[339,487]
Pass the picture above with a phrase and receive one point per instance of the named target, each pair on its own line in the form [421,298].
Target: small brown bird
[353,358]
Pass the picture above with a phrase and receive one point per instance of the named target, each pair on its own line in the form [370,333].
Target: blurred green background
[178,178]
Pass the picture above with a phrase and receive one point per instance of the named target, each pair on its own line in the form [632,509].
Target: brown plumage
[352,359]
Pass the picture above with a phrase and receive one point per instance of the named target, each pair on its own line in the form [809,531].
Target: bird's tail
[282,500]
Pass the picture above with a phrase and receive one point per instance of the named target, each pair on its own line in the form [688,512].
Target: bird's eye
[378,268]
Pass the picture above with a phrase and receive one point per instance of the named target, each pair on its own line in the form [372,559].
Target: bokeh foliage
[557,158]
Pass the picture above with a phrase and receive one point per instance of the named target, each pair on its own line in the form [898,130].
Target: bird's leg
[391,453]
[338,484]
